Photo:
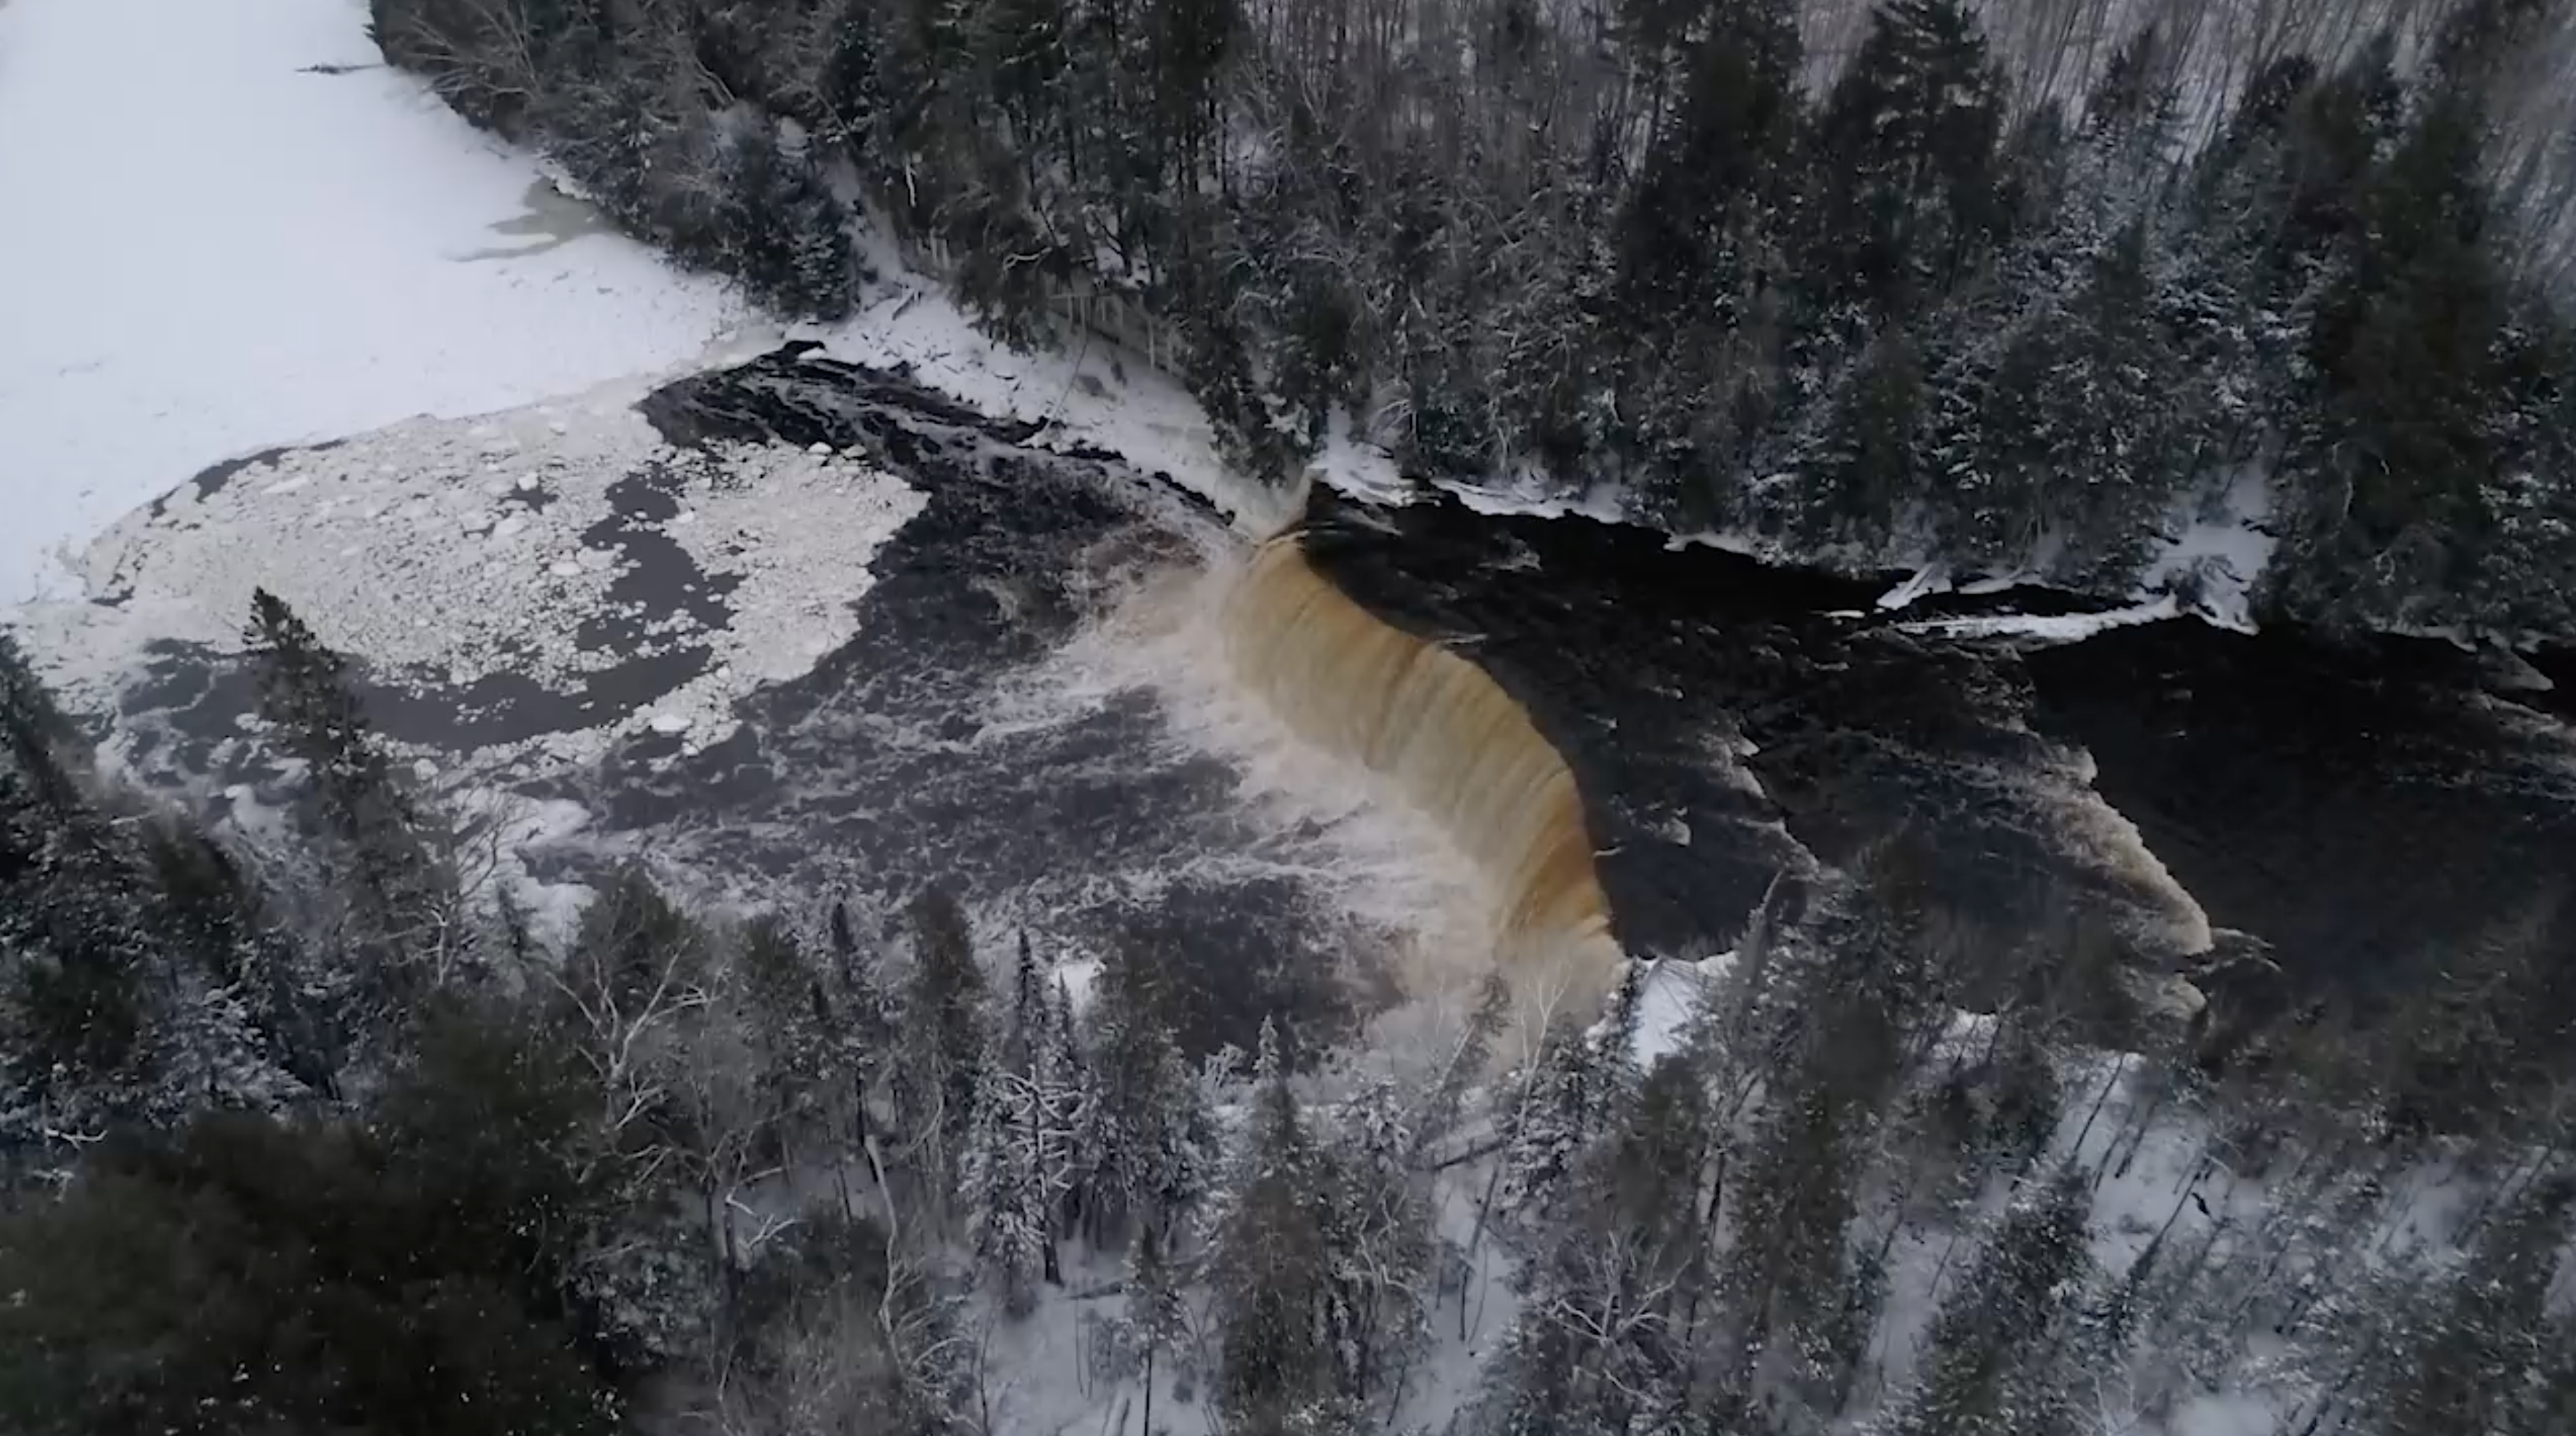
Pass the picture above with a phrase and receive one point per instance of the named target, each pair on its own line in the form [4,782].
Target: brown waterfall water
[1451,743]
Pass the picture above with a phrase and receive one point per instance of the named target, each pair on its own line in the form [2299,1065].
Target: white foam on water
[1391,867]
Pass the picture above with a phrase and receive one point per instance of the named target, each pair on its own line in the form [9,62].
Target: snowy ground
[2212,551]
[2210,554]
[216,247]
[1091,395]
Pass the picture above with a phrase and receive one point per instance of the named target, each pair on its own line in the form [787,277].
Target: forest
[323,1132]
[2019,287]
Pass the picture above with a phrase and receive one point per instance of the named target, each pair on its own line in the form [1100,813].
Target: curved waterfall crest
[1446,736]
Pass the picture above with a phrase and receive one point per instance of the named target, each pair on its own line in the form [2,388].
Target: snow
[212,249]
[1091,394]
[1531,497]
[1358,468]
[459,551]
[2216,544]
[1931,578]
[2049,628]
[1671,995]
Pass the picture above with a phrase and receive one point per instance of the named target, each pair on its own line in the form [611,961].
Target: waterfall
[1451,743]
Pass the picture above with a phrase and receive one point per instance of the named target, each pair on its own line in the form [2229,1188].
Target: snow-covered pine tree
[1858,472]
[78,962]
[1996,1365]
[998,1191]
[1909,180]
[1549,1118]
[128,989]
[1065,1080]
[2480,1362]
[2087,431]
[1700,303]
[403,916]
[789,1030]
[1157,1321]
[1021,1160]
[215,916]
[2550,1406]
[789,234]
[1611,1290]
[939,1072]
[1268,1263]
[1854,989]
[1145,1130]
[1378,1229]
[858,1017]
[1439,1110]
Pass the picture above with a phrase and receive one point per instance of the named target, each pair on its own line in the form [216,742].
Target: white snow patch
[1931,578]
[373,542]
[1091,393]
[1530,496]
[1359,469]
[326,254]
[2050,628]
[1077,977]
[1669,996]
[2217,550]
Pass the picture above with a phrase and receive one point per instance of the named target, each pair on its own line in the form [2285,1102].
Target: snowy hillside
[268,238]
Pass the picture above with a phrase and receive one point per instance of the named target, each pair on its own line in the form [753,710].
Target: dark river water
[2362,810]
[2365,809]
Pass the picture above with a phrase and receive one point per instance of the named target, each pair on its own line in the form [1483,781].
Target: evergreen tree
[2403,345]
[2479,1363]
[2082,433]
[1605,1339]
[83,972]
[1021,1165]
[789,1017]
[2551,1404]
[1909,179]
[1144,1127]
[1268,1261]
[214,916]
[942,1064]
[1552,1116]
[1700,239]
[1858,474]
[790,233]
[77,971]
[1157,1321]
[1854,989]
[1996,1362]
[999,1189]
[402,908]
[407,1275]
[858,1018]
[1438,1111]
